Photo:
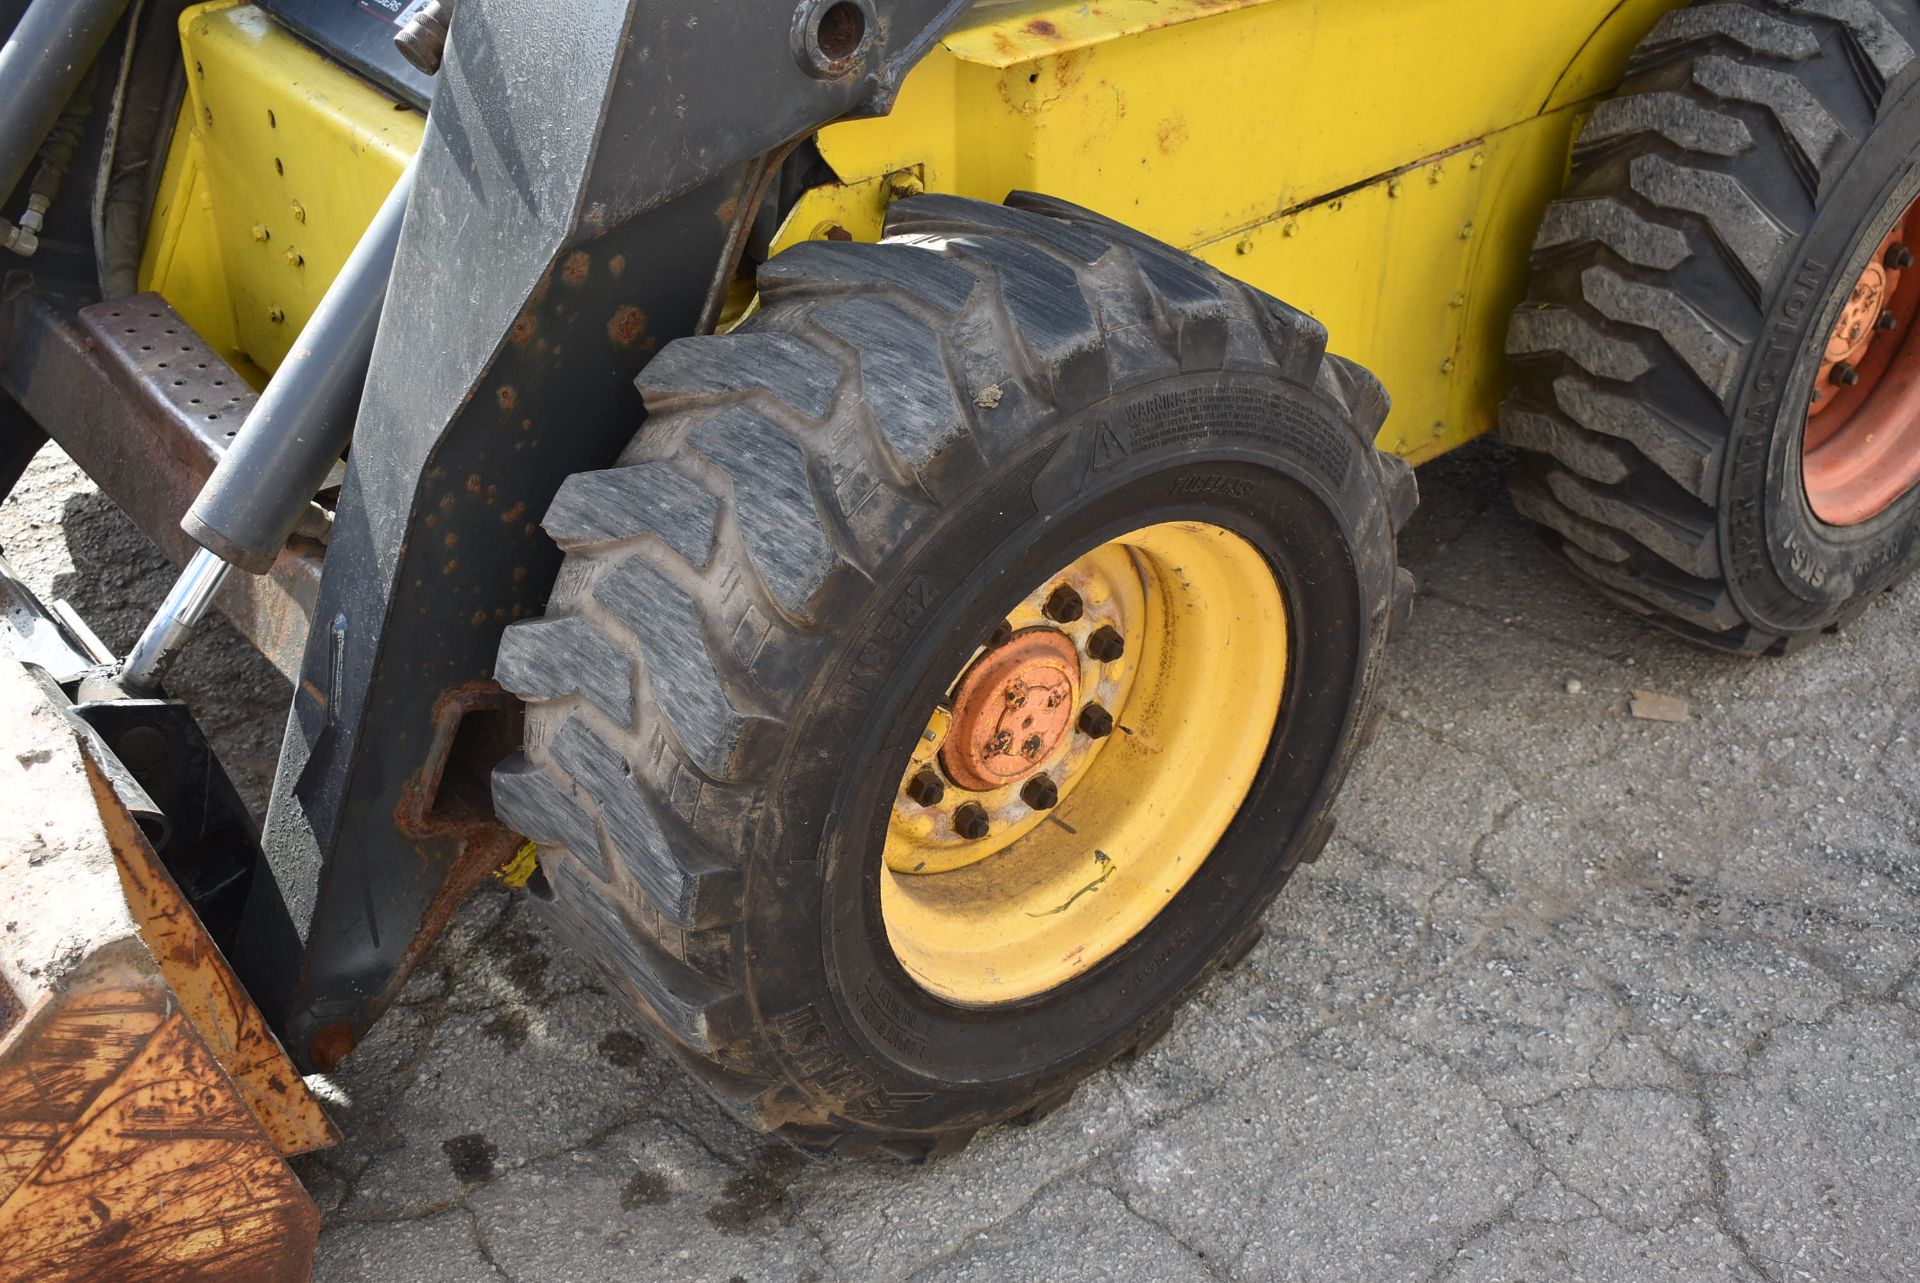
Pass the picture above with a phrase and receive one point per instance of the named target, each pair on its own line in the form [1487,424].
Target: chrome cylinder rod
[185,606]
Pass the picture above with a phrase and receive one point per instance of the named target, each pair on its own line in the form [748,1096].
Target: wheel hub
[1013,709]
[1854,333]
[1083,762]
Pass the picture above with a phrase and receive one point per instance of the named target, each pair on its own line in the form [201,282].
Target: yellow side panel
[279,162]
[1381,166]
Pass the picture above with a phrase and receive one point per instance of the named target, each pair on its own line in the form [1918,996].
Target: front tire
[836,518]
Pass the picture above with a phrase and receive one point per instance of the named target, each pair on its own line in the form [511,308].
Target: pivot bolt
[1064,605]
[1040,793]
[1887,321]
[926,788]
[1106,645]
[970,821]
[1899,257]
[902,183]
[1096,722]
[1845,375]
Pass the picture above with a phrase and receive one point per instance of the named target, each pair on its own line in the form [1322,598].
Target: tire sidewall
[1791,572]
[1245,450]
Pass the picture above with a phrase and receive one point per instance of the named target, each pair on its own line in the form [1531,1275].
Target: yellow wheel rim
[1177,633]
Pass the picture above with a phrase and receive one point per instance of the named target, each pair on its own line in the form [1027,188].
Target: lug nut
[970,821]
[1899,257]
[1030,748]
[926,789]
[1845,375]
[1040,793]
[1064,605]
[1106,645]
[1095,722]
[1887,321]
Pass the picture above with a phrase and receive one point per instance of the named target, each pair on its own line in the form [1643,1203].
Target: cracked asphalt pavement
[1570,996]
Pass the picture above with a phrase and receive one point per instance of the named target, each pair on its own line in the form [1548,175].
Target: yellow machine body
[279,160]
[1382,167]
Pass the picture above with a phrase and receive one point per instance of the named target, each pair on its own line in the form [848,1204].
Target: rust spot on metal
[574,270]
[479,618]
[524,326]
[1172,134]
[628,328]
[509,397]
[617,264]
[729,209]
[1044,29]
[453,564]
[330,1046]
[1012,709]
[475,726]
[452,538]
[474,484]
[512,514]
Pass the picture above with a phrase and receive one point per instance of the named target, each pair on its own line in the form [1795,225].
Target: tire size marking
[1235,413]
[1214,484]
[1144,975]
[892,1021]
[870,667]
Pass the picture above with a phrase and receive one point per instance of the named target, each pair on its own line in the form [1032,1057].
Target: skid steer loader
[826,496]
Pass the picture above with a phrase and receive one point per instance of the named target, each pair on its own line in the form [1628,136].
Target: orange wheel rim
[1861,448]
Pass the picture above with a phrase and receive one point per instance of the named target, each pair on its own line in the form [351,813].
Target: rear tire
[824,512]
[1721,207]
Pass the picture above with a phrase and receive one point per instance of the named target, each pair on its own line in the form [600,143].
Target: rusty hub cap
[1013,708]
[1861,449]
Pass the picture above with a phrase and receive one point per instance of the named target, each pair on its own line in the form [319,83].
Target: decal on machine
[395,11]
